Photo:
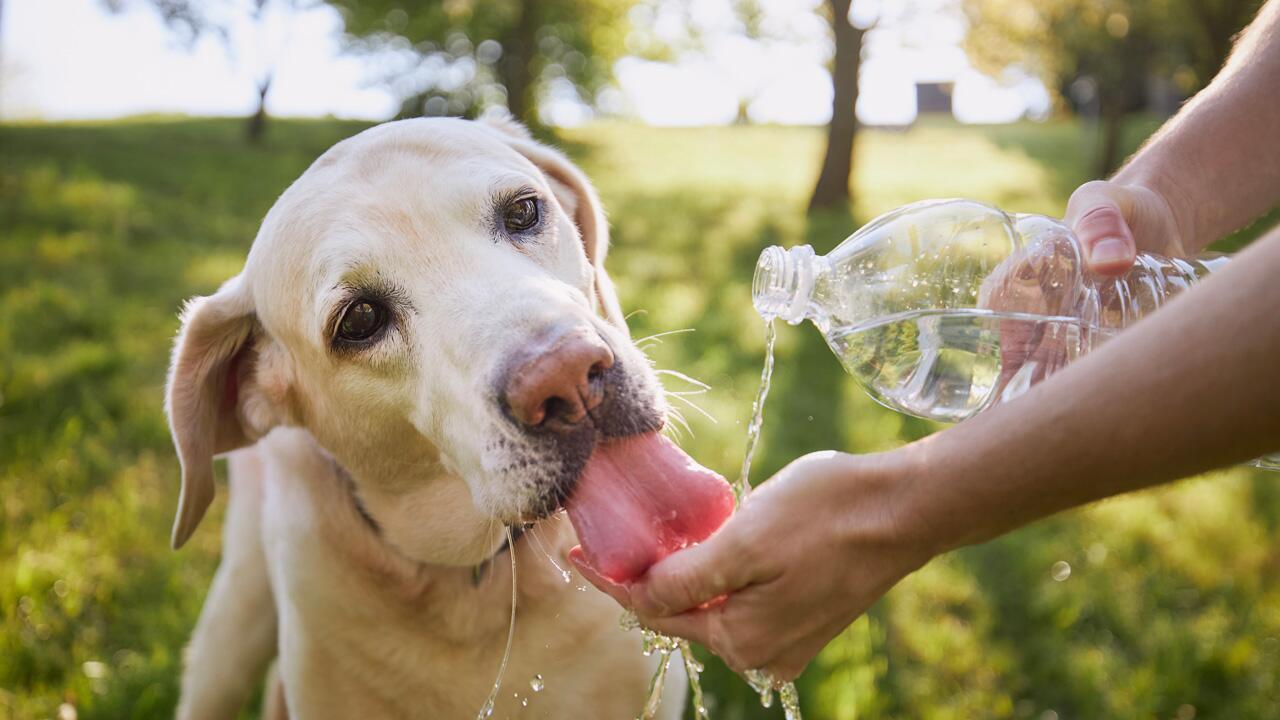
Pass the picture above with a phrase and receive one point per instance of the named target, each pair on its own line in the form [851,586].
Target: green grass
[1174,597]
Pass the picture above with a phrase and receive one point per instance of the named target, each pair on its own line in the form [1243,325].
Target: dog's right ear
[212,359]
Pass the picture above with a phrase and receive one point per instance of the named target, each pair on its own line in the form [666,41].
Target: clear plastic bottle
[943,308]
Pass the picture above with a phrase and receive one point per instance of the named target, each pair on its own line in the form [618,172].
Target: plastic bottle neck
[784,282]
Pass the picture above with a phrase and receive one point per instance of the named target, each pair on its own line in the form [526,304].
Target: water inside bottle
[946,365]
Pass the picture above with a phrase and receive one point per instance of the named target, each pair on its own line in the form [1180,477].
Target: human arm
[1211,169]
[1194,386]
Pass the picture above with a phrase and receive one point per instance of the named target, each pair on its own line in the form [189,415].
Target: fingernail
[1109,250]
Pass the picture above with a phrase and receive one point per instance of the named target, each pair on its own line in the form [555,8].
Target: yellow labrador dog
[423,349]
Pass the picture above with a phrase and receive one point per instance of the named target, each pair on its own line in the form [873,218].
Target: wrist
[1163,191]
[934,499]
[887,498]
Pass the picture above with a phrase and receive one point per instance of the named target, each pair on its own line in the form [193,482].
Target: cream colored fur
[365,488]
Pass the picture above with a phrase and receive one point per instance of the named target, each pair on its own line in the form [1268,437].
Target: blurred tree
[458,57]
[833,188]
[189,20]
[1104,54]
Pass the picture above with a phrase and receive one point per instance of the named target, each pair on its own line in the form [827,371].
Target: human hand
[806,554]
[1115,221]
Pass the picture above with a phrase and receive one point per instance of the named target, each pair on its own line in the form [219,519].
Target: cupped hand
[806,554]
[1115,221]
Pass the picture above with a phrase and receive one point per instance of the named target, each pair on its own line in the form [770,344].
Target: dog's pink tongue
[640,499]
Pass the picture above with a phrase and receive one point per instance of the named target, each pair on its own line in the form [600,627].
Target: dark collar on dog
[479,571]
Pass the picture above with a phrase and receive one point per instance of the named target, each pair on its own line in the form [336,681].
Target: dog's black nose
[557,380]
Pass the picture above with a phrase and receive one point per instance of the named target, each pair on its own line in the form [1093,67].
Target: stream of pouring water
[664,646]
[487,709]
[757,679]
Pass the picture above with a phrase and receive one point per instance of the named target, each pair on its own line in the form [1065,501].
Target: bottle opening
[783,282]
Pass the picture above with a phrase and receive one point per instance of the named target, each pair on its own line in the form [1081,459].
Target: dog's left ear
[579,199]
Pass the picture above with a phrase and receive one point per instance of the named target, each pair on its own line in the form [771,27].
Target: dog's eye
[521,215]
[361,321]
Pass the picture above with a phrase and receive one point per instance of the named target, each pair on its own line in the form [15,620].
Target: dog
[422,351]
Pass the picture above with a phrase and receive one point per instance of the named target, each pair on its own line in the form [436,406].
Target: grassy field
[1172,608]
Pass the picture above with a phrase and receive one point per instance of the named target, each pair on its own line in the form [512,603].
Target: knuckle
[682,590]
[650,599]
[1101,220]
[1092,195]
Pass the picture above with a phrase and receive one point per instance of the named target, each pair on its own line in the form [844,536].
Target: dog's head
[429,301]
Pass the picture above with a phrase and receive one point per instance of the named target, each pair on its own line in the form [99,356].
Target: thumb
[694,576]
[1095,213]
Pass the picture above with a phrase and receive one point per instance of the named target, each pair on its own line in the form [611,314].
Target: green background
[1172,608]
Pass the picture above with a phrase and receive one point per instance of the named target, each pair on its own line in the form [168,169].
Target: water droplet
[536,683]
[524,702]
[1061,571]
[565,574]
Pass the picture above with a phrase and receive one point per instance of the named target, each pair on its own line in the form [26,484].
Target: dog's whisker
[695,406]
[656,336]
[633,313]
[679,426]
[681,376]
[533,533]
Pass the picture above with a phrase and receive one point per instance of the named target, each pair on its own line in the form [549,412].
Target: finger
[693,577]
[695,625]
[1096,216]
[603,584]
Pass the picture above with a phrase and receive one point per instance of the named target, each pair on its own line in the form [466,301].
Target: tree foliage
[1115,47]
[460,56]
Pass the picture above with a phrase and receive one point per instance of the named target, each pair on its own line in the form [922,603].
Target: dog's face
[429,301]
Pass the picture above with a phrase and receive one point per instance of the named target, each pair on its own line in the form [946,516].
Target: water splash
[790,700]
[486,710]
[762,684]
[693,669]
[742,487]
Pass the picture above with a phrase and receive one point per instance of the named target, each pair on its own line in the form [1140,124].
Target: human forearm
[1194,386]
[1217,162]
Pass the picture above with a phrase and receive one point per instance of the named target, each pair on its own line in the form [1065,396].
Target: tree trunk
[833,188]
[515,67]
[258,121]
[1111,122]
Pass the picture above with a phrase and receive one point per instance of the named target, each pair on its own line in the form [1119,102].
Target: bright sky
[70,59]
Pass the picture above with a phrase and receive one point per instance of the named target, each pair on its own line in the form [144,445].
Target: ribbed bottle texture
[943,308]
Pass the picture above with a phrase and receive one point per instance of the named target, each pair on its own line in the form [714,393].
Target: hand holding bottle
[817,544]
[1114,222]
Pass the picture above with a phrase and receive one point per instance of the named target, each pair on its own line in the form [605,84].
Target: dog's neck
[478,571]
